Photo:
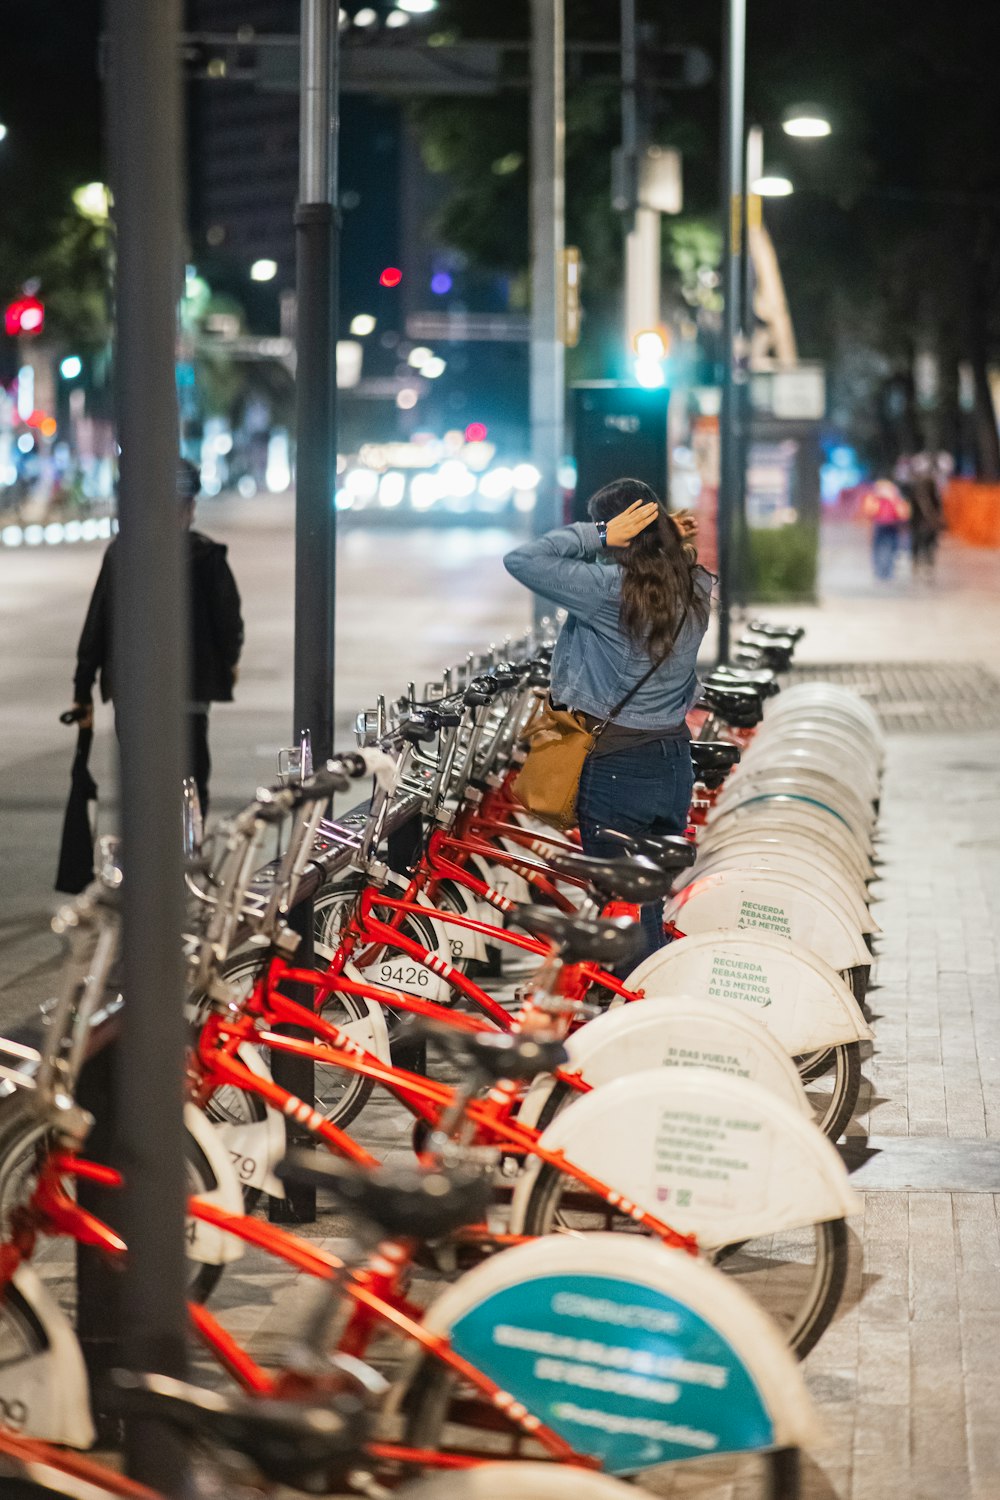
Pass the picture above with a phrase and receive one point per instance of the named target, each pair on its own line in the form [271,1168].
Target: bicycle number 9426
[415,978]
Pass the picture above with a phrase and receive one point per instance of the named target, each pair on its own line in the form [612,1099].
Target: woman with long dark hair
[636,598]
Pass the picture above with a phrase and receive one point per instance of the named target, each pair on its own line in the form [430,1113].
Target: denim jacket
[595,663]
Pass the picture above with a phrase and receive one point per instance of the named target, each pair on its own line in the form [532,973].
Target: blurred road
[409,604]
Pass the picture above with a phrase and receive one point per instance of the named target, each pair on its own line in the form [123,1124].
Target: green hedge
[783,564]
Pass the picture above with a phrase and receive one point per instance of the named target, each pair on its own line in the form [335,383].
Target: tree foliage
[890,246]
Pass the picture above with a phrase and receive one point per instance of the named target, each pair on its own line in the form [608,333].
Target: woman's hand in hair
[686,523]
[628,523]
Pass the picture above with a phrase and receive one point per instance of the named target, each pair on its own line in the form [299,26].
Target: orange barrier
[972,512]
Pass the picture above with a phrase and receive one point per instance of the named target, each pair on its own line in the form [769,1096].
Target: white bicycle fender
[776,816]
[205,1243]
[47,1396]
[554,1320]
[712,1155]
[801,1000]
[463,943]
[773,903]
[680,1032]
[803,869]
[256,1147]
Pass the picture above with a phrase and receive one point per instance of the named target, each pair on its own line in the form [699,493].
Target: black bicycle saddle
[602,940]
[289,1441]
[403,1201]
[714,755]
[761,679]
[737,705]
[627,878]
[670,852]
[495,1054]
[776,654]
[765,627]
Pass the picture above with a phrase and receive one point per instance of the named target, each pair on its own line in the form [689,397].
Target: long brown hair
[658,571]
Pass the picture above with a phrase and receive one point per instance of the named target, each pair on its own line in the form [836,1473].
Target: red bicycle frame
[375,1291]
[492,1117]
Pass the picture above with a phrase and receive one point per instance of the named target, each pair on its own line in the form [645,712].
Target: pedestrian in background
[926,513]
[638,604]
[216,633]
[887,509]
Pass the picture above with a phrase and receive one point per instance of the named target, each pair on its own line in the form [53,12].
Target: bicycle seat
[670,852]
[774,654]
[404,1202]
[289,1441]
[601,940]
[762,679]
[764,627]
[714,755]
[630,877]
[495,1054]
[735,705]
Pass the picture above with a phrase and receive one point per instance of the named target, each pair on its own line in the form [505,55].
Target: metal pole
[548,135]
[315,472]
[316,383]
[150,636]
[750,218]
[732,158]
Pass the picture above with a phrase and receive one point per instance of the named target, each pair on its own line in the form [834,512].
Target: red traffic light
[391,276]
[475,432]
[25,315]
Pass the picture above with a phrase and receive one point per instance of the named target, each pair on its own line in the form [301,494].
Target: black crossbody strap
[631,694]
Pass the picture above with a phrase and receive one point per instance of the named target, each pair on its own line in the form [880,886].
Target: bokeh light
[391,276]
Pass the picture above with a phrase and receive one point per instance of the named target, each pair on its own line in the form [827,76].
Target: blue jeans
[646,790]
[885,546]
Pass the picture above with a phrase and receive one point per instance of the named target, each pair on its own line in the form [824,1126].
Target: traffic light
[25,315]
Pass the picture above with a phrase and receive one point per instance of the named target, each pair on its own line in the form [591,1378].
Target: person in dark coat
[216,634]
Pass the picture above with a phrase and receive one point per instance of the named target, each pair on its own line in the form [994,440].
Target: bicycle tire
[205,1277]
[340,1103]
[22,1138]
[832,1116]
[819,1282]
[403,1053]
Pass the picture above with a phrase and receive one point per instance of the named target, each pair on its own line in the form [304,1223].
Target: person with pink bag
[888,512]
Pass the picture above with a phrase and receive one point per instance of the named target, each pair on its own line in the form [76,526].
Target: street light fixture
[93,201]
[807,121]
[772,185]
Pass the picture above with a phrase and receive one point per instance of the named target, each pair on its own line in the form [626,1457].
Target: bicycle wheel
[23,1145]
[832,1081]
[340,1095]
[796,1275]
[22,1337]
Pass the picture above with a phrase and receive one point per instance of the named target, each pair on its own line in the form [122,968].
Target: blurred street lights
[93,201]
[264,270]
[806,121]
[772,185]
[3,131]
